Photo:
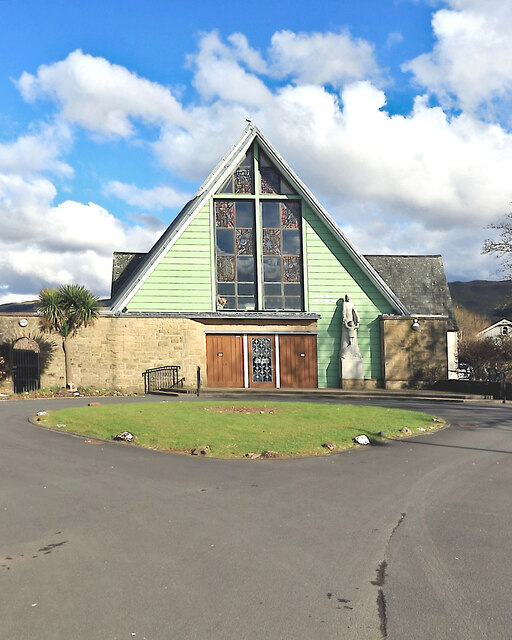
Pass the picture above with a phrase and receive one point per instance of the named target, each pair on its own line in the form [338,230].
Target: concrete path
[105,541]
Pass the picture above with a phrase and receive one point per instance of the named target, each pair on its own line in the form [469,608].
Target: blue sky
[111,114]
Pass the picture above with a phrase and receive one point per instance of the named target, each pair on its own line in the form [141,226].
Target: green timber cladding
[183,281]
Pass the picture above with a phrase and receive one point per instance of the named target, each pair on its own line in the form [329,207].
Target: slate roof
[419,282]
[123,265]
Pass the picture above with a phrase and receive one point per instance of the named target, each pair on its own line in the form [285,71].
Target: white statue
[349,347]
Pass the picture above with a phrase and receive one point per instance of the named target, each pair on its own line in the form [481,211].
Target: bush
[487,353]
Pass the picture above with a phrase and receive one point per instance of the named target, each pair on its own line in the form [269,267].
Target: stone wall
[113,353]
[413,358]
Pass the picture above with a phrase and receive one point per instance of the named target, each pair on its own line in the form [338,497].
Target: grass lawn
[232,429]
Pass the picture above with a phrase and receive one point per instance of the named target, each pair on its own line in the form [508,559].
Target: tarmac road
[105,541]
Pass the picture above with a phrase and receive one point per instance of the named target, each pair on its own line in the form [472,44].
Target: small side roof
[419,282]
[501,323]
[209,187]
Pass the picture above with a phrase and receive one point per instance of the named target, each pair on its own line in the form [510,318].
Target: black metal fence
[162,379]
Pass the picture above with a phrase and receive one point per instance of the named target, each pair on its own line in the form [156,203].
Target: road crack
[379,582]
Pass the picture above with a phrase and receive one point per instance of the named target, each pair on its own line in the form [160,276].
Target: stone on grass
[362,439]
[270,454]
[406,431]
[200,451]
[252,456]
[125,436]
[329,445]
[94,404]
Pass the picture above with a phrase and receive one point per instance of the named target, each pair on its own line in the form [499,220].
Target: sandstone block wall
[113,353]
[413,357]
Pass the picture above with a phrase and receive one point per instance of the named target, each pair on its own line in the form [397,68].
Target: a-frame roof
[504,322]
[209,187]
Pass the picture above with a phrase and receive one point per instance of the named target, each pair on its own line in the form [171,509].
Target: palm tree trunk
[67,363]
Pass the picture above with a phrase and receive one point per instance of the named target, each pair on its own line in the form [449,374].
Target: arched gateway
[26,365]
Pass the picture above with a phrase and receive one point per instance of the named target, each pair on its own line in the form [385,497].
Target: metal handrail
[162,379]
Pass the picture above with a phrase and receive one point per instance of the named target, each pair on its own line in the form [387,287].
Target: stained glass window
[244,242]
[236,272]
[282,255]
[224,214]
[279,239]
[271,179]
[290,213]
[271,242]
[291,269]
[241,180]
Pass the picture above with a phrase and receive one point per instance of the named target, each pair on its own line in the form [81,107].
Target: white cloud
[101,96]
[322,58]
[469,65]
[38,152]
[156,198]
[46,245]
[217,73]
[246,54]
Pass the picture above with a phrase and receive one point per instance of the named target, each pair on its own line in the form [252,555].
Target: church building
[253,283]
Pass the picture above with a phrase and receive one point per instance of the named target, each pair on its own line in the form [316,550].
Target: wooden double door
[261,360]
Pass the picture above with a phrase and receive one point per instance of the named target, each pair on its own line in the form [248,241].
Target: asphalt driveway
[107,541]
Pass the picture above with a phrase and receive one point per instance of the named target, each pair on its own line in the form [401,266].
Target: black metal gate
[26,369]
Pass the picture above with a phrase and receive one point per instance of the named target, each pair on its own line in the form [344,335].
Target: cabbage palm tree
[64,311]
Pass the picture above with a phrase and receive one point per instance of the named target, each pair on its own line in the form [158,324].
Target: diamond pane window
[282,255]
[236,272]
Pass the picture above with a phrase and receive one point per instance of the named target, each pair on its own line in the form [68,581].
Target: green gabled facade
[255,244]
[332,272]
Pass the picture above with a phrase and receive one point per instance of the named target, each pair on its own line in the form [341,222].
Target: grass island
[233,429]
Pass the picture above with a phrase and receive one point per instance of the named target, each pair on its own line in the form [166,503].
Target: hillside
[490,298]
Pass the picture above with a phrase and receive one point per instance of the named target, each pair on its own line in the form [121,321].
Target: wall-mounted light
[415,325]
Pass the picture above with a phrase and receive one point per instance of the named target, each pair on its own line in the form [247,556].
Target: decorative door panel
[262,361]
[225,361]
[298,361]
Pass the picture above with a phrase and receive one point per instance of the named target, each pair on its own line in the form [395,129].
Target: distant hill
[490,298]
